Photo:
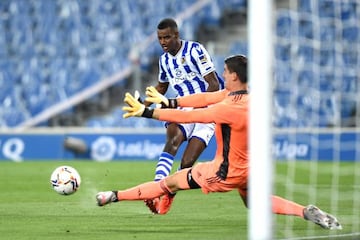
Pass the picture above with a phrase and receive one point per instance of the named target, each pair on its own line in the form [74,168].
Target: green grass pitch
[30,209]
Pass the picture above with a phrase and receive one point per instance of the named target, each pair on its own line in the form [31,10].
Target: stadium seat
[305,6]
[328,33]
[348,10]
[326,8]
[351,34]
[283,51]
[306,28]
[67,46]
[284,25]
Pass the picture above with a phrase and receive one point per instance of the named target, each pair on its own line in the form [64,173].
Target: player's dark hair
[167,23]
[238,64]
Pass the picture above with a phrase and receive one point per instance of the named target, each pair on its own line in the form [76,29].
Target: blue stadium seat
[327,57]
[327,8]
[348,10]
[283,51]
[282,76]
[305,6]
[350,83]
[328,32]
[347,107]
[306,54]
[350,58]
[284,24]
[306,28]
[350,34]
[327,82]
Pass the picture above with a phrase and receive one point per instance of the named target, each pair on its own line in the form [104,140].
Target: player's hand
[135,108]
[137,96]
[154,96]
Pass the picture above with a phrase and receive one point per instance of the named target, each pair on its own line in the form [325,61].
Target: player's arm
[206,67]
[213,81]
[137,109]
[193,100]
[203,115]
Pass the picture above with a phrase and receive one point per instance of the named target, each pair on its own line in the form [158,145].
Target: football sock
[286,207]
[143,191]
[163,166]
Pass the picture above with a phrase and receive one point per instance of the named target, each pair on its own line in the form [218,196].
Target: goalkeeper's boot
[321,218]
[153,205]
[103,198]
[165,203]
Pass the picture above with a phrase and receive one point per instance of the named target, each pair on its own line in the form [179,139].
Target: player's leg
[184,181]
[279,205]
[148,190]
[192,152]
[311,213]
[175,136]
[200,137]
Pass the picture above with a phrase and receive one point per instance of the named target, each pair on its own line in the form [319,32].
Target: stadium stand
[53,50]
[323,41]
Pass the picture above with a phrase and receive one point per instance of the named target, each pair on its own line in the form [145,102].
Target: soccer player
[187,68]
[228,109]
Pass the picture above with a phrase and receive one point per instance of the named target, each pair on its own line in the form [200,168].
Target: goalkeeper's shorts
[203,131]
[204,174]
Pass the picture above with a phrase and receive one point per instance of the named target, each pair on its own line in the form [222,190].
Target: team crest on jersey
[203,59]
[183,60]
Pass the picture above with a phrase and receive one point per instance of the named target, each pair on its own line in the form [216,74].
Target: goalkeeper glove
[135,108]
[137,96]
[155,97]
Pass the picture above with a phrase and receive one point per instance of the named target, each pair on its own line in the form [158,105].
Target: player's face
[169,40]
[228,77]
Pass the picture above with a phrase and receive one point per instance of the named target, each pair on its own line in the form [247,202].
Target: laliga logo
[13,148]
[103,149]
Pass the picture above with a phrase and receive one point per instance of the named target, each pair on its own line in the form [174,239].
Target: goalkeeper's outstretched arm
[193,100]
[137,109]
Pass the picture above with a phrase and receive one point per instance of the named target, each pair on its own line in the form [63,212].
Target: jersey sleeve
[202,99]
[203,59]
[162,74]
[218,113]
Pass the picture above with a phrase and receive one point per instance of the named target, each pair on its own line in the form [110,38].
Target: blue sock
[164,165]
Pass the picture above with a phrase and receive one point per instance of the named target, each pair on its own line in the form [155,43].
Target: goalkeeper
[228,109]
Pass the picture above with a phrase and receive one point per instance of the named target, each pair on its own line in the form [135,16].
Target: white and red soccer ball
[65,180]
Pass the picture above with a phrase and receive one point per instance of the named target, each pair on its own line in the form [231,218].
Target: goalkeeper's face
[169,40]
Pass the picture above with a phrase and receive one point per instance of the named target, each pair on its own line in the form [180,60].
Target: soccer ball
[65,180]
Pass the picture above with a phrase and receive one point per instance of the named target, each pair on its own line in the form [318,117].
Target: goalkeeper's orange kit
[229,111]
[229,169]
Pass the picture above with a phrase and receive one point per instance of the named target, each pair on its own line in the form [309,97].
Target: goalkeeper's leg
[174,138]
[311,213]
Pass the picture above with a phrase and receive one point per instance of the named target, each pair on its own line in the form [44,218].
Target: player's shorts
[202,131]
[204,175]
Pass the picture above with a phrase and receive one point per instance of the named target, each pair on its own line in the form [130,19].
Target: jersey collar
[238,92]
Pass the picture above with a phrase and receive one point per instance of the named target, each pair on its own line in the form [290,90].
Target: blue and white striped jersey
[185,71]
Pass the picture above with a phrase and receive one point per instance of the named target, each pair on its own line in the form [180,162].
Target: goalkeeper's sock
[286,207]
[149,190]
[164,165]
